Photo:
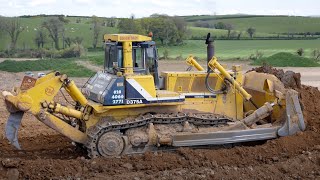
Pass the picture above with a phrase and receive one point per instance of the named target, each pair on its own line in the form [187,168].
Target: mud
[48,155]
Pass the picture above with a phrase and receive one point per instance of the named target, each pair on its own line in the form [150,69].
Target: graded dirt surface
[48,155]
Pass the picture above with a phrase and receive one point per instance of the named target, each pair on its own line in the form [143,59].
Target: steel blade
[12,128]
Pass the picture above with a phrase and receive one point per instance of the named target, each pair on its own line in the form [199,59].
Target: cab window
[138,59]
[110,56]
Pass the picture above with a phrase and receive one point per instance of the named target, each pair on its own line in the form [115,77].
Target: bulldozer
[129,107]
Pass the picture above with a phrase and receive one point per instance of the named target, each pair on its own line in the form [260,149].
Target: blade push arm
[37,99]
[213,63]
[192,62]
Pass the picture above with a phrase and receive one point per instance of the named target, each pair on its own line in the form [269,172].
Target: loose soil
[48,155]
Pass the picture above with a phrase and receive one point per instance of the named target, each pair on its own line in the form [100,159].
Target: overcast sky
[143,8]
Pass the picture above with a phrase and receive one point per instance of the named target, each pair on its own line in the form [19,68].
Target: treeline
[165,29]
[51,30]
[254,38]
[52,15]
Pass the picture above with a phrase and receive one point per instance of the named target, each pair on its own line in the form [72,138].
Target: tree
[130,26]
[251,31]
[96,30]
[164,29]
[55,27]
[300,51]
[77,40]
[62,19]
[239,35]
[229,27]
[181,25]
[13,28]
[111,22]
[68,41]
[316,54]
[41,38]
[1,26]
[220,25]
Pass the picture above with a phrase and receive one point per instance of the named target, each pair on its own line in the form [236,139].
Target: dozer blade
[225,137]
[294,122]
[12,128]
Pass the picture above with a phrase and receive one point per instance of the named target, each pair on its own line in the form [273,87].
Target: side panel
[143,83]
[106,89]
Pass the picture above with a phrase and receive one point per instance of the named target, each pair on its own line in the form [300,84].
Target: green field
[227,49]
[268,24]
[202,32]
[231,49]
[66,66]
[73,29]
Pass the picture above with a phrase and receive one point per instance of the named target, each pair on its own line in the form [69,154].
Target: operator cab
[144,58]
[130,74]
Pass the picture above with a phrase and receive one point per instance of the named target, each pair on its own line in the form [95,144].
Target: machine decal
[134,91]
[134,101]
[49,91]
[117,97]
[27,83]
[200,95]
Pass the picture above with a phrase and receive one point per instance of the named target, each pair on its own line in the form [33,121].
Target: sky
[144,8]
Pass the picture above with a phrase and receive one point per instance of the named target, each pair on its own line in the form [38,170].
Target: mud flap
[12,128]
[294,117]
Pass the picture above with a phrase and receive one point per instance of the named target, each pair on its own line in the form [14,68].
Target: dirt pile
[47,155]
[290,79]
[309,96]
[310,100]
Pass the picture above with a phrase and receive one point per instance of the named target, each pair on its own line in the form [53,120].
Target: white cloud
[84,1]
[41,2]
[143,8]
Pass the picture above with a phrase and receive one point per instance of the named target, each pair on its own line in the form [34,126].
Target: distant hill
[263,24]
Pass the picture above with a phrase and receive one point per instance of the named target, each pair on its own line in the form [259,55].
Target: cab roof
[126,38]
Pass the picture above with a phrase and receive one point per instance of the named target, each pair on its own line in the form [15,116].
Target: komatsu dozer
[130,107]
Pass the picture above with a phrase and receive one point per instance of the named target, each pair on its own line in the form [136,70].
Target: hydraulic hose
[221,91]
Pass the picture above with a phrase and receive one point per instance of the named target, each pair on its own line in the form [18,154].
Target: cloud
[83,1]
[143,8]
[41,2]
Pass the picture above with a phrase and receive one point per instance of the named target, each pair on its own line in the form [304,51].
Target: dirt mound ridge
[290,79]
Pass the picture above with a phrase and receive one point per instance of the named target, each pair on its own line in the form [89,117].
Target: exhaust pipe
[210,49]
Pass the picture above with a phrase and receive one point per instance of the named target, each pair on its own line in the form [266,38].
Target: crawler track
[105,125]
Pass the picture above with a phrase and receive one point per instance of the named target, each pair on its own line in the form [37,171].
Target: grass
[96,58]
[287,60]
[193,18]
[67,66]
[267,24]
[202,32]
[240,48]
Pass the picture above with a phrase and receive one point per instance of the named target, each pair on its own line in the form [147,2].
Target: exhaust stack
[210,49]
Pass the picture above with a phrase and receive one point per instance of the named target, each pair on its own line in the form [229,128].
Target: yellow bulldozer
[130,107]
